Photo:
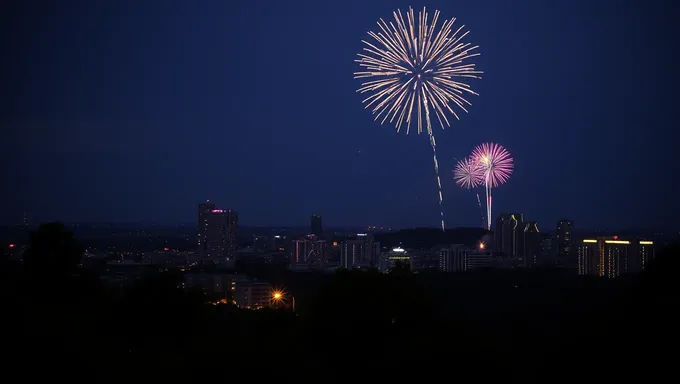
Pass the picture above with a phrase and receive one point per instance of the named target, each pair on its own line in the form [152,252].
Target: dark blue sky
[133,111]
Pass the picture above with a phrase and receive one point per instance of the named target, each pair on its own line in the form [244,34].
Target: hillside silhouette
[421,238]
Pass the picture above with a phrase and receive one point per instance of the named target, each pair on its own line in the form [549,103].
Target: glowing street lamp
[279,297]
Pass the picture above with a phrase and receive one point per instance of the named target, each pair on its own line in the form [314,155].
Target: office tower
[531,244]
[478,259]
[547,248]
[563,240]
[453,259]
[203,213]
[308,253]
[216,231]
[363,252]
[604,257]
[588,257]
[645,253]
[317,229]
[397,255]
[508,234]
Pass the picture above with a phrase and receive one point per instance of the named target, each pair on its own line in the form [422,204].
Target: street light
[279,296]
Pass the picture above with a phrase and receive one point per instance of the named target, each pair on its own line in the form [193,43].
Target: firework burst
[497,165]
[496,162]
[413,68]
[468,173]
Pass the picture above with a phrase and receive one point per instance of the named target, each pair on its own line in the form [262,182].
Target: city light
[589,241]
[482,245]
[279,298]
[644,242]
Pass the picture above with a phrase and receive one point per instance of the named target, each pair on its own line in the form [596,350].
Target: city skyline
[135,125]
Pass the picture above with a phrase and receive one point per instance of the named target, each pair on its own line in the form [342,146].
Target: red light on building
[11,245]
[616,237]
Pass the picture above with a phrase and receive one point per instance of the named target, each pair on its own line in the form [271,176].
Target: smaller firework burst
[496,163]
[468,173]
[497,166]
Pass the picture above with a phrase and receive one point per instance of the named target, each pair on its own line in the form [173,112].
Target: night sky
[136,111]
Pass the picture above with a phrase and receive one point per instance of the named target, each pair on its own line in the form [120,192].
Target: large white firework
[414,67]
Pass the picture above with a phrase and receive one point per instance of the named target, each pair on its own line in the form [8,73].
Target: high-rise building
[531,244]
[563,240]
[363,252]
[317,228]
[216,231]
[588,258]
[397,255]
[508,234]
[645,253]
[204,210]
[454,258]
[611,256]
[308,253]
[547,249]
[479,259]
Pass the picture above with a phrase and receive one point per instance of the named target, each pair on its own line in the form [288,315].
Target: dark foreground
[60,322]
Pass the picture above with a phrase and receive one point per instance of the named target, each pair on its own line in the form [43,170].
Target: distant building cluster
[604,256]
[514,242]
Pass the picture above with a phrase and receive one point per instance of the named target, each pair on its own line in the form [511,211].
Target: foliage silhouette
[52,252]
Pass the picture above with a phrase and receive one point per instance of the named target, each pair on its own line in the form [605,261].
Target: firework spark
[413,68]
[497,165]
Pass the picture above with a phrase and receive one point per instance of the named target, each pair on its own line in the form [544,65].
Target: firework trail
[479,203]
[413,70]
[469,174]
[497,165]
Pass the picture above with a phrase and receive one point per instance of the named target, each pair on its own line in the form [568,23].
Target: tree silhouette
[400,268]
[52,252]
